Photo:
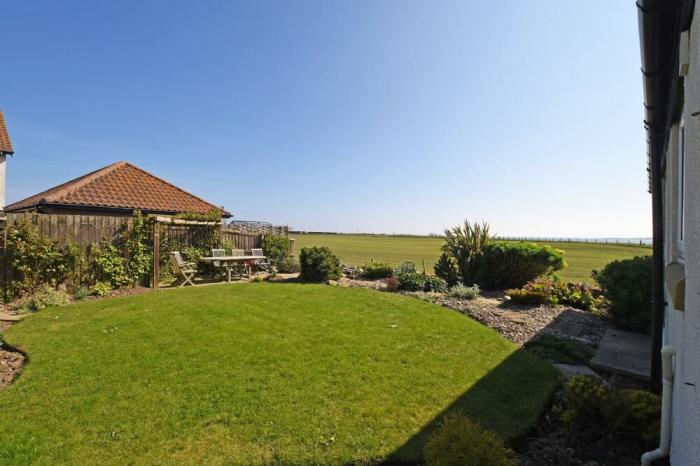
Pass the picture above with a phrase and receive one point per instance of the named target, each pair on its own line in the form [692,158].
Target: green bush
[587,404]
[138,241]
[512,265]
[435,285]
[461,442]
[108,265]
[559,350]
[460,291]
[636,413]
[276,248]
[406,267]
[288,265]
[464,244]
[527,297]
[318,264]
[446,268]
[412,281]
[45,296]
[626,284]
[583,402]
[101,289]
[578,295]
[32,259]
[375,270]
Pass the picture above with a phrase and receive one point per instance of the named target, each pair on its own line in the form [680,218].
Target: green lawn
[358,249]
[256,374]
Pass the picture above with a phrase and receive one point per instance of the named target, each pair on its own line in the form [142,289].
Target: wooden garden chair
[263,263]
[185,270]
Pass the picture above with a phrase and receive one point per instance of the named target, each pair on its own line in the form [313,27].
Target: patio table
[232,259]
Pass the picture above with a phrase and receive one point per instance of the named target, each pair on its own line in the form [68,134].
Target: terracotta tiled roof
[5,144]
[120,186]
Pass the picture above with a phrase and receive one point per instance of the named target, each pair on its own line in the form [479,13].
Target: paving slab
[625,353]
[4,316]
[569,370]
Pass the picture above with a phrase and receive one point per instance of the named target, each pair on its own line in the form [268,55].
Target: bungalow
[116,190]
[669,32]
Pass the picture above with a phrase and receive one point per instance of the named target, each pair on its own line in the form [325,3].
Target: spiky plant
[464,244]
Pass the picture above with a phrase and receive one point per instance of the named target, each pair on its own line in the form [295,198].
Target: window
[681,188]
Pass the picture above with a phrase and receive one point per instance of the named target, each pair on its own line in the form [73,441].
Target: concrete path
[624,353]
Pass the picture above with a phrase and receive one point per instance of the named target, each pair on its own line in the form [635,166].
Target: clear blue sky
[382,116]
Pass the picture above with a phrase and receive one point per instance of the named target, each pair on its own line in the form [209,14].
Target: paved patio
[625,353]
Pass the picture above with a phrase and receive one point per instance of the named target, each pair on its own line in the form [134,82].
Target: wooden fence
[91,229]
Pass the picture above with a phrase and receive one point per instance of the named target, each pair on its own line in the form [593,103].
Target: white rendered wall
[683,327]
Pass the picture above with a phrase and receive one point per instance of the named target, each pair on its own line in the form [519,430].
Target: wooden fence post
[156,255]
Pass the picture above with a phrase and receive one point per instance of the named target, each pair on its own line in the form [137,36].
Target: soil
[10,364]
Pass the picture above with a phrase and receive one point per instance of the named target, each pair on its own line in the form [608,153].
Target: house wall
[683,327]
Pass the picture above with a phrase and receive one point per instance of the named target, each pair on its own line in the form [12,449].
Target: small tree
[446,268]
[318,264]
[464,244]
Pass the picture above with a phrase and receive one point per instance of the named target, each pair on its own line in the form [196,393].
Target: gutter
[660,23]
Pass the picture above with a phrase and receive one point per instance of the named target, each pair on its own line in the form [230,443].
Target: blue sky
[380,116]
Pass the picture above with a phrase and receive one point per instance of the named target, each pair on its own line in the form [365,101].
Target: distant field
[358,249]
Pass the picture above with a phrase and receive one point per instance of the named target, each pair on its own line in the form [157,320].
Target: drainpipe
[649,457]
[660,23]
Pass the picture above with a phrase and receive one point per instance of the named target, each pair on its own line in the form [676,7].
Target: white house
[5,150]
[670,46]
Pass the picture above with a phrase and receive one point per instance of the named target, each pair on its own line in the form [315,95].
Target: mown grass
[257,374]
[581,258]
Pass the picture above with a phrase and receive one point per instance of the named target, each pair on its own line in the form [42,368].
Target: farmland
[581,258]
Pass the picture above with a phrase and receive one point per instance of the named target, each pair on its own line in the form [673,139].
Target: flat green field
[581,258]
[257,374]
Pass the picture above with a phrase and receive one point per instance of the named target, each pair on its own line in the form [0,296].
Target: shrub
[406,267]
[559,350]
[587,404]
[45,296]
[102,289]
[578,295]
[318,264]
[527,297]
[276,248]
[435,285]
[392,283]
[139,257]
[626,284]
[511,265]
[446,268]
[460,291]
[412,281]
[464,244]
[375,270]
[108,265]
[82,294]
[583,402]
[288,265]
[636,413]
[32,259]
[461,442]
